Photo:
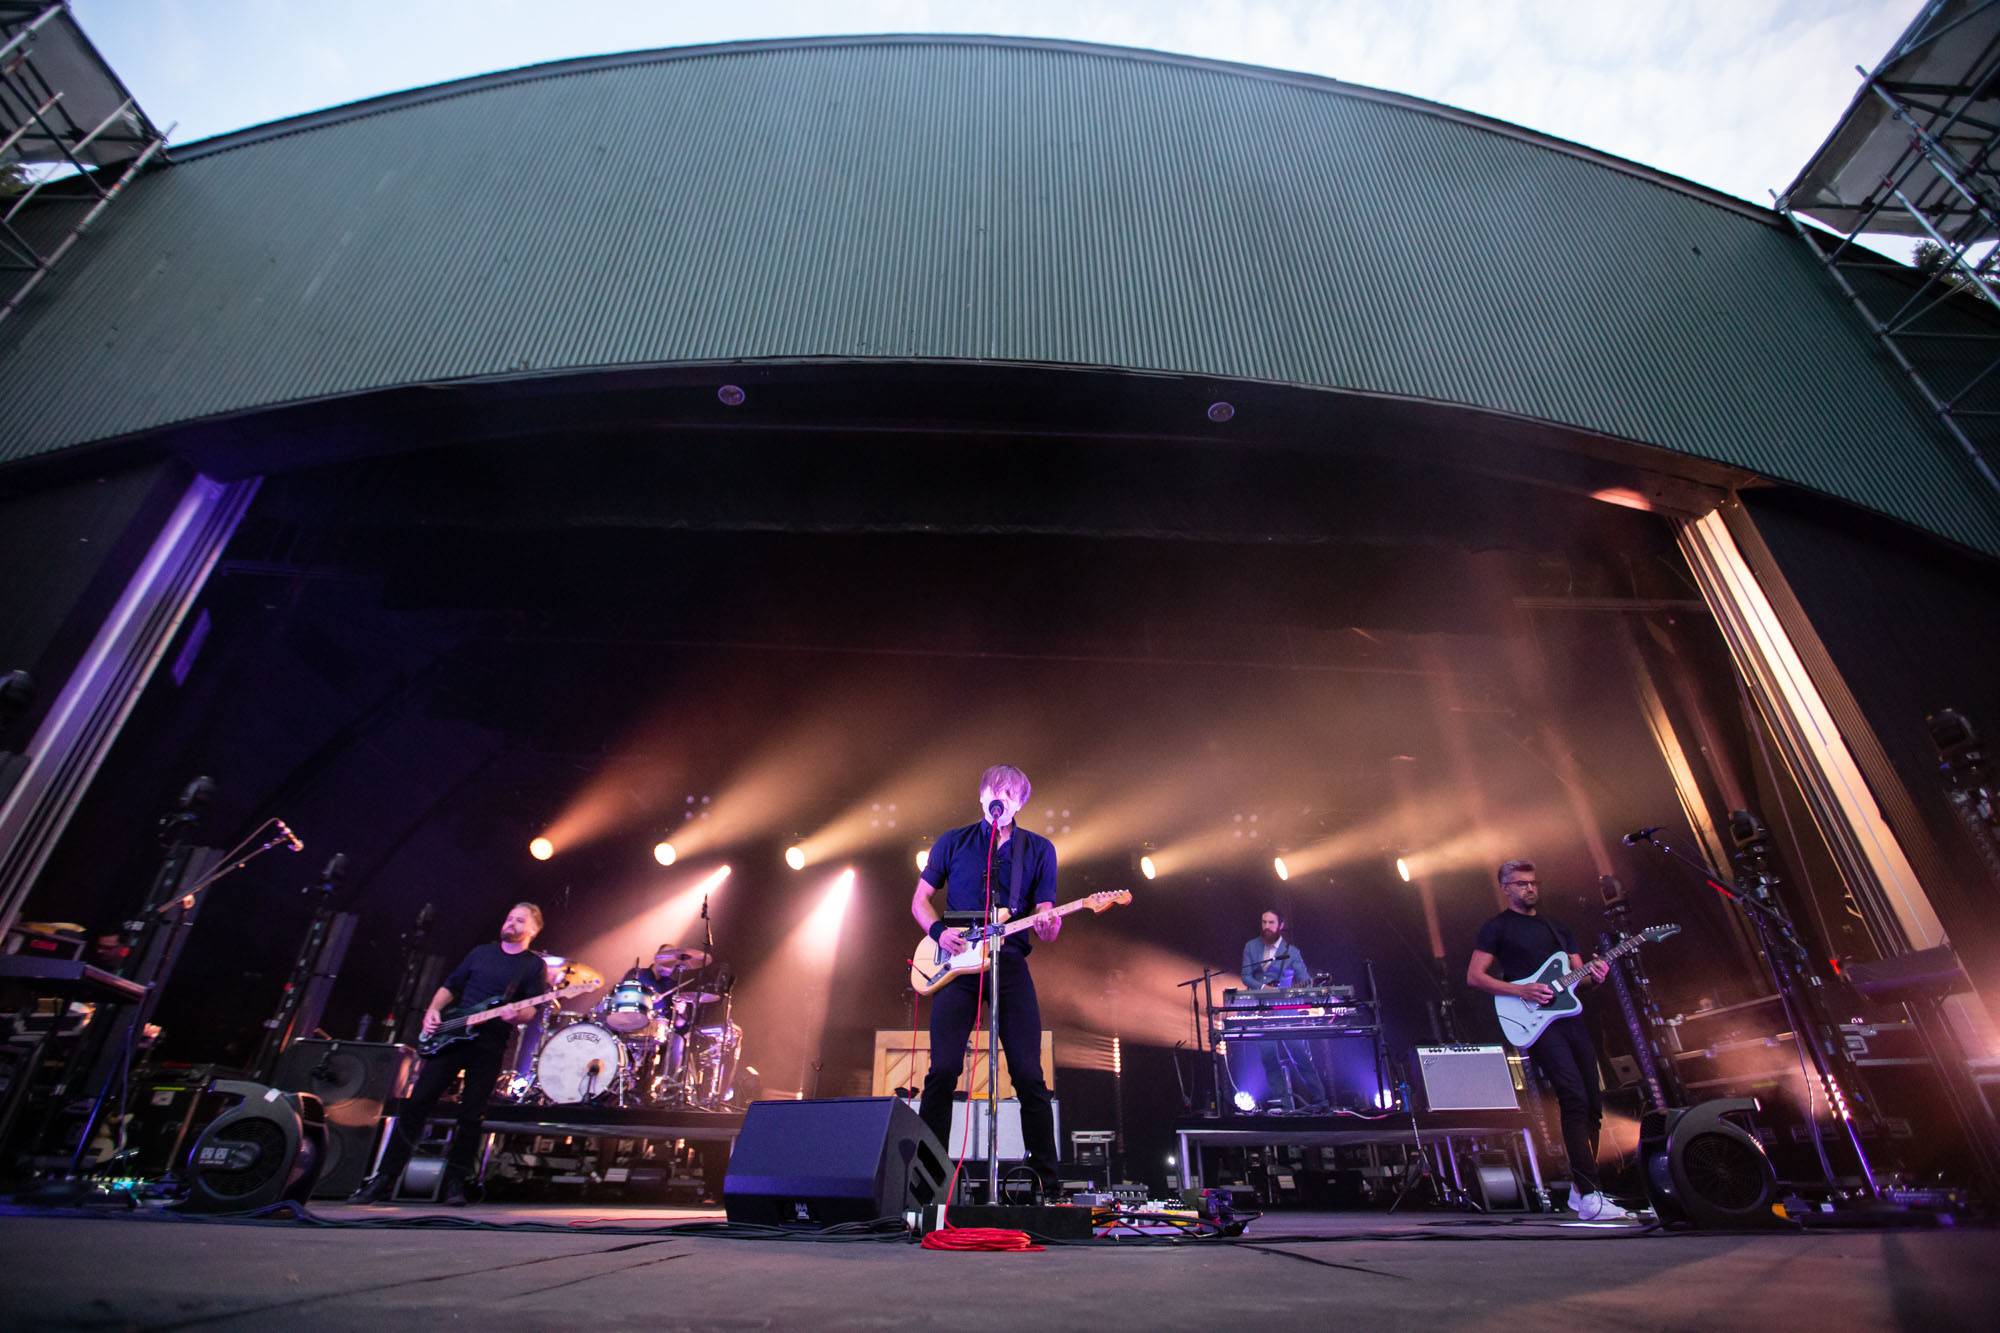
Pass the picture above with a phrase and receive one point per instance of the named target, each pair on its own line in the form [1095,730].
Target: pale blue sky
[1735,94]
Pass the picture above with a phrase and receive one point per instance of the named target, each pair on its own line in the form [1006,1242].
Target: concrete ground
[600,1269]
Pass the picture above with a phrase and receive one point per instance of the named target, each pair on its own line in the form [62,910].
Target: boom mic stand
[1202,1002]
[1789,963]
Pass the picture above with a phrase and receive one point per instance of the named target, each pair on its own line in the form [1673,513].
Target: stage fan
[265,1149]
[1705,1171]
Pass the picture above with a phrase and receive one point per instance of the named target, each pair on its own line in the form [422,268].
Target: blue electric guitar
[1521,1021]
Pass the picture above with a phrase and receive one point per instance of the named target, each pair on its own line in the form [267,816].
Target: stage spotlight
[541,849]
[1403,869]
[1278,864]
[1244,1101]
[795,857]
[1385,1099]
[923,858]
[1147,868]
[664,853]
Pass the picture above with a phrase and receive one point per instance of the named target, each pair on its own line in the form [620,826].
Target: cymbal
[576,974]
[697,996]
[670,958]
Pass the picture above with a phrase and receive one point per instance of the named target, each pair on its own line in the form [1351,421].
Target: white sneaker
[1598,1208]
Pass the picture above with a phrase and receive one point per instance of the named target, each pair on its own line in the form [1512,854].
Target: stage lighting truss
[71,134]
[1915,157]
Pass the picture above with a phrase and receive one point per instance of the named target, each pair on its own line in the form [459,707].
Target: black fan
[1704,1171]
[265,1149]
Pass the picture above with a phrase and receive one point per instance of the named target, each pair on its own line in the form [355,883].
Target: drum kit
[660,1037]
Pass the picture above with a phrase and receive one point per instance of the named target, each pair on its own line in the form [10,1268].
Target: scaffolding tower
[1914,157]
[71,139]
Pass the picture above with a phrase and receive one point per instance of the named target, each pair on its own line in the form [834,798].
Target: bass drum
[580,1063]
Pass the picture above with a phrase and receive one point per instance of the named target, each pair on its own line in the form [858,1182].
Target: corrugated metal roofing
[948,198]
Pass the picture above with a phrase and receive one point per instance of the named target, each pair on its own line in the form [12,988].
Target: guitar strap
[1020,860]
[1561,948]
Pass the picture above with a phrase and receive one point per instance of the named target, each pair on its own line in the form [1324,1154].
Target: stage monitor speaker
[266,1149]
[1465,1078]
[354,1081]
[1703,1171]
[842,1159]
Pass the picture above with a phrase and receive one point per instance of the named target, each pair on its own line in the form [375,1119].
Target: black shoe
[453,1194]
[375,1189]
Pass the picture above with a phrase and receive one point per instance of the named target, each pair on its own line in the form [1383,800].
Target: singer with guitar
[1019,869]
[1517,941]
[493,976]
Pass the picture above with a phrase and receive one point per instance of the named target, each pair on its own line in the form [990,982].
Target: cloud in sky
[1734,94]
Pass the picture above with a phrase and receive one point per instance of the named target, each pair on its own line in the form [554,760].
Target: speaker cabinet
[354,1081]
[846,1159]
[265,1149]
[1705,1172]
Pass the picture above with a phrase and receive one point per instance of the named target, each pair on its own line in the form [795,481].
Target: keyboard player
[1271,960]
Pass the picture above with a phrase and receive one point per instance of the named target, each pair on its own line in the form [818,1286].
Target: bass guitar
[1522,1021]
[932,969]
[461,1016]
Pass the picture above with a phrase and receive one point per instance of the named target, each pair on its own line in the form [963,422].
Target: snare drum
[580,1063]
[633,1003]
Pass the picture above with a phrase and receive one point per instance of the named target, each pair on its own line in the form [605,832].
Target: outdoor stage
[604,1268]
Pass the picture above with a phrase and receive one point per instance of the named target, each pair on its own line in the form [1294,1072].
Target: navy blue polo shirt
[957,865]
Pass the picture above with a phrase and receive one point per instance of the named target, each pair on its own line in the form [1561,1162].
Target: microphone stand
[1788,960]
[1203,1003]
[994,945]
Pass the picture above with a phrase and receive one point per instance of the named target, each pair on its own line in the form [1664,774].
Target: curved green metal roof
[968,199]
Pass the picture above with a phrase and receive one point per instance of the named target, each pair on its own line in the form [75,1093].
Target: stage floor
[1294,1270]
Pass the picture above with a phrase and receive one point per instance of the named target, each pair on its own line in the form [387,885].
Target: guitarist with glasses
[1517,941]
[1020,868]
[491,975]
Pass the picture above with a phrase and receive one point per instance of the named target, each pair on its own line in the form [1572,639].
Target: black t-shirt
[491,976]
[1523,943]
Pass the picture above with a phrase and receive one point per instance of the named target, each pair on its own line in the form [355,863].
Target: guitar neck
[1002,931]
[467,1020]
[1615,952]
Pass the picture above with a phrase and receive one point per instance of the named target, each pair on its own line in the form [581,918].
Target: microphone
[1642,835]
[996,807]
[285,832]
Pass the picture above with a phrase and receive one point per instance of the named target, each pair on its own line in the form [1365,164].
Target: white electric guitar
[1521,1021]
[932,969]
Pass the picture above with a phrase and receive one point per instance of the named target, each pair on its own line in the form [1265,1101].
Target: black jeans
[479,1060]
[1566,1058]
[953,1012]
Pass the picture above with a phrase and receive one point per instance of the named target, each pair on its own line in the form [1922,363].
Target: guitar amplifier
[355,1081]
[1012,1147]
[1465,1078]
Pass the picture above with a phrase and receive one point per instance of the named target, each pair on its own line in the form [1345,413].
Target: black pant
[953,1012]
[479,1060]
[1566,1058]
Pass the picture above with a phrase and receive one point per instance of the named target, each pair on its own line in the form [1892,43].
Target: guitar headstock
[576,988]
[1097,902]
[1654,934]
